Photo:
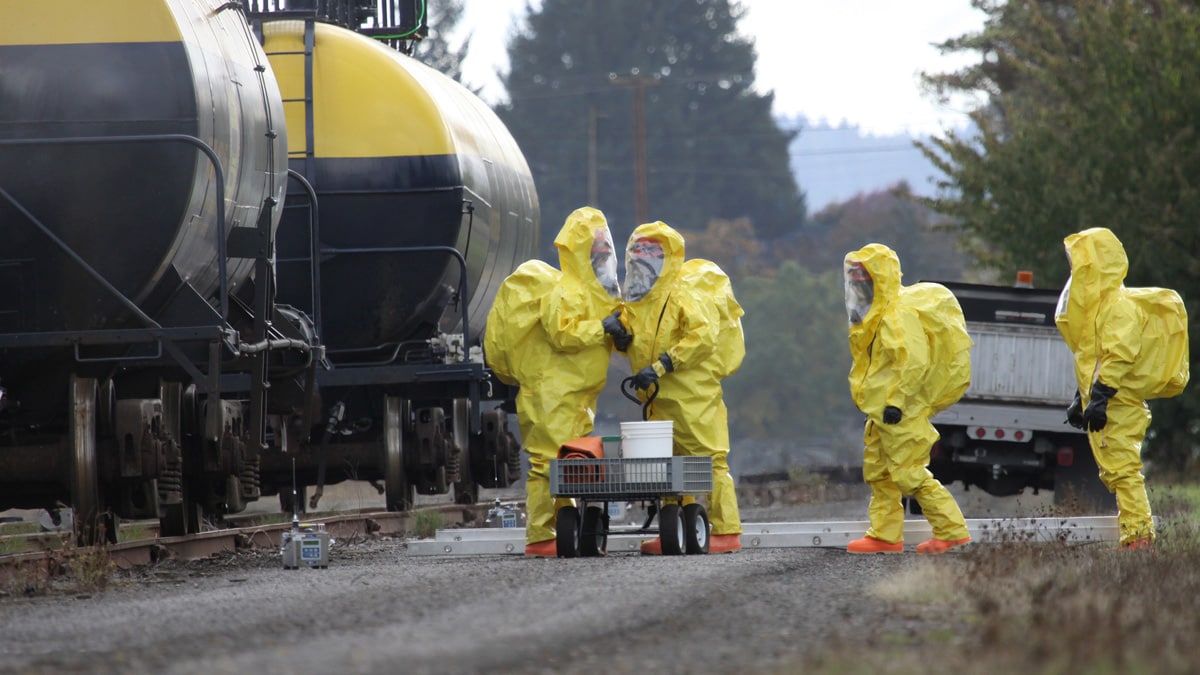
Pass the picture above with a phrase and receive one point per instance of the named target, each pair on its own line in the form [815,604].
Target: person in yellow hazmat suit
[676,326]
[1105,330]
[889,383]
[550,332]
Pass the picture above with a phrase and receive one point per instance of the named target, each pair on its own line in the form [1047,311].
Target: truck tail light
[980,432]
[1066,456]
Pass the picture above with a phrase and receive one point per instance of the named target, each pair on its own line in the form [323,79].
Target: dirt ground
[377,609]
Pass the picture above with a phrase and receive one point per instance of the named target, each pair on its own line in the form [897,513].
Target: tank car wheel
[566,526]
[466,490]
[106,406]
[398,488]
[671,529]
[91,524]
[593,537]
[695,529]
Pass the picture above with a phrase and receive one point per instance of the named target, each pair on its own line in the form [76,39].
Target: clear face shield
[643,265]
[604,261]
[1063,298]
[860,292]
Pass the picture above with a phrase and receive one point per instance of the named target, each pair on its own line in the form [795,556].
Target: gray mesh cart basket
[582,530]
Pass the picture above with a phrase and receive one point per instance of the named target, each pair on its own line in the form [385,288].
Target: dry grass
[1044,608]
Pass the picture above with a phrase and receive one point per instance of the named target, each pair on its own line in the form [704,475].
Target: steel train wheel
[695,529]
[671,529]
[466,490]
[185,517]
[92,524]
[593,537]
[566,526]
[398,489]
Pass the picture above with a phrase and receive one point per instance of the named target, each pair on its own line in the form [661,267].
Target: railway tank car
[425,204]
[235,267]
[142,168]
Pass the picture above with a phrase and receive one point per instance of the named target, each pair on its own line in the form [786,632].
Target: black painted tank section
[119,207]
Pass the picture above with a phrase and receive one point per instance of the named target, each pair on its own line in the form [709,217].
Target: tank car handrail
[149,138]
[462,268]
[314,255]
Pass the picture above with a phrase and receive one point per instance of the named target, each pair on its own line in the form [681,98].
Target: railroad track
[22,555]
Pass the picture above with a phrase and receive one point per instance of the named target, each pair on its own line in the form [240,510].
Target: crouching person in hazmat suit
[1130,344]
[911,359]
[546,333]
[687,337]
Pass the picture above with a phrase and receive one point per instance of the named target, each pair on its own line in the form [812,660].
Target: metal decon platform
[817,534]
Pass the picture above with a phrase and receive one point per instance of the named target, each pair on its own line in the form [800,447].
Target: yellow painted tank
[400,155]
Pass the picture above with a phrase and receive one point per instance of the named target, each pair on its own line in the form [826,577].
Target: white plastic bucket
[647,439]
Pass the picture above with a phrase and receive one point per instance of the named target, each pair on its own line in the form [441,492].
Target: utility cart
[661,481]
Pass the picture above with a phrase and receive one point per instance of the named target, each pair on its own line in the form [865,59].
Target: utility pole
[593,183]
[639,84]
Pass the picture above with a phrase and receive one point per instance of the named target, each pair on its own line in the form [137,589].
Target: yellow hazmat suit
[1105,330]
[545,326]
[888,381]
[683,322]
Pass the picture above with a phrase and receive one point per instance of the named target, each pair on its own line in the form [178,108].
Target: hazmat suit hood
[883,265]
[586,253]
[653,259]
[1098,269]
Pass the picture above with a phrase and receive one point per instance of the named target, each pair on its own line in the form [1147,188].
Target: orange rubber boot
[1138,545]
[542,549]
[652,546]
[936,546]
[725,543]
[873,545]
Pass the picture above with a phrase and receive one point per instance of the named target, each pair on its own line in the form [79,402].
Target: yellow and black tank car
[143,214]
[398,152]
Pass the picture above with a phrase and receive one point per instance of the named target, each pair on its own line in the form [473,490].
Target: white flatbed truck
[1008,433]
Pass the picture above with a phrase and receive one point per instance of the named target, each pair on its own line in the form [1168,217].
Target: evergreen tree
[712,149]
[1089,118]
[435,50]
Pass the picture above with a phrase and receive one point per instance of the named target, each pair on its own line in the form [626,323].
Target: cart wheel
[670,529]
[593,539]
[695,529]
[566,528]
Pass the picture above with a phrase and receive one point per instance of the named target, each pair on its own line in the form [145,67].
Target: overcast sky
[853,61]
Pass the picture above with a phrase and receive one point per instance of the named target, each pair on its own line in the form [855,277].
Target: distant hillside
[833,164]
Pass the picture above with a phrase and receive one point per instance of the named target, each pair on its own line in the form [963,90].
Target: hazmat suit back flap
[708,280]
[514,343]
[1133,340]
[888,344]
[949,343]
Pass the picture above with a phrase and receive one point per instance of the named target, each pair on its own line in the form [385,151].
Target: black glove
[645,377]
[1095,416]
[1075,412]
[666,362]
[612,326]
[891,415]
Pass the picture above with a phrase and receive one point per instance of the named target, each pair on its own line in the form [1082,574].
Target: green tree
[792,383]
[1088,117]
[435,50]
[712,149]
